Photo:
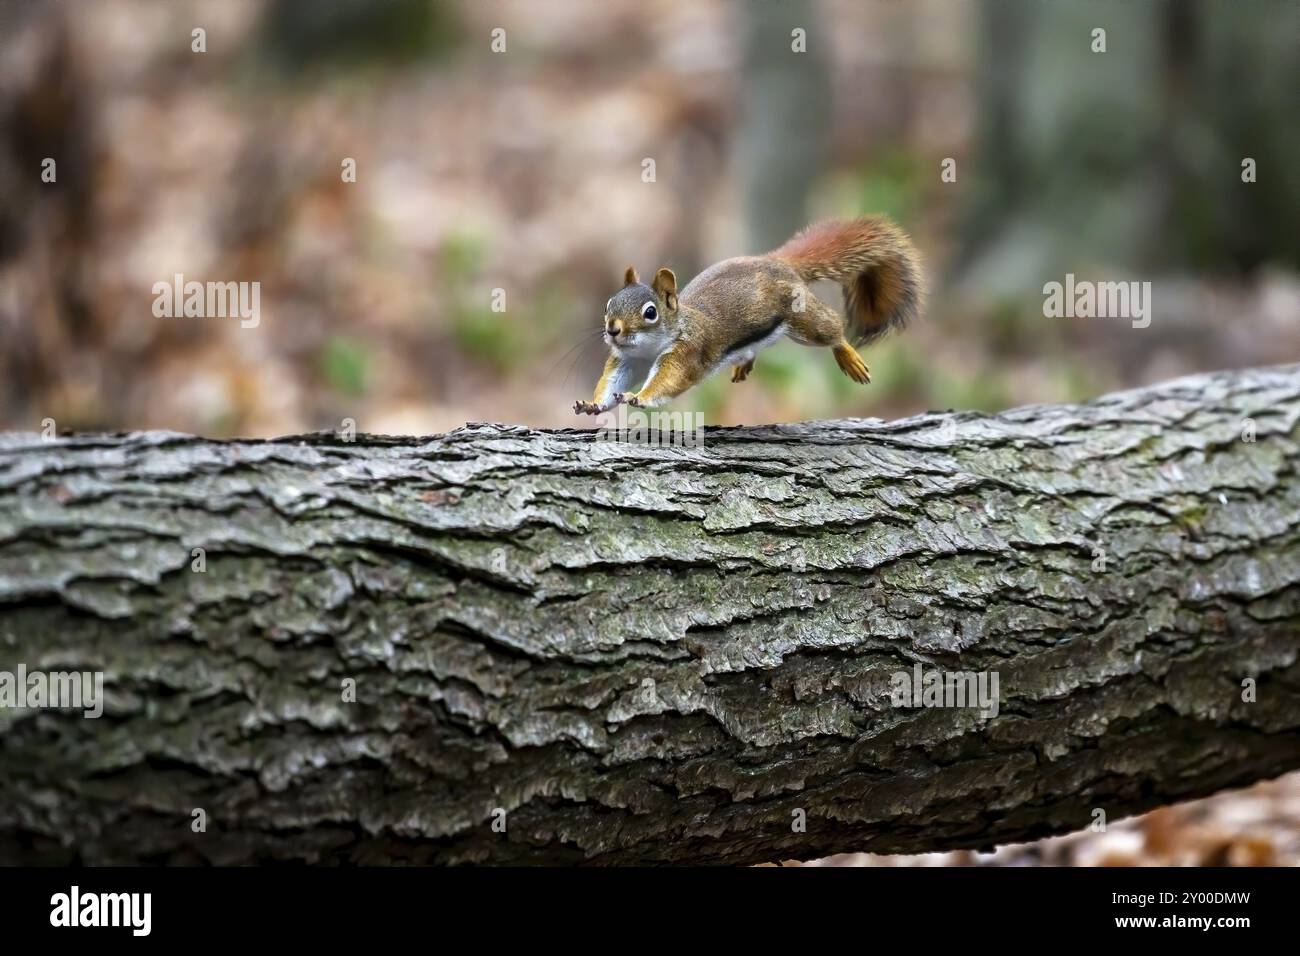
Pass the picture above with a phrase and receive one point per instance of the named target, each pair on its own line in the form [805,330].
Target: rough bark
[651,654]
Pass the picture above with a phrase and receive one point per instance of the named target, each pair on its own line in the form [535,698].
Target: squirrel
[735,308]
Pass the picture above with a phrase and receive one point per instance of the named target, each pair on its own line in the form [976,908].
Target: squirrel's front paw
[627,398]
[586,408]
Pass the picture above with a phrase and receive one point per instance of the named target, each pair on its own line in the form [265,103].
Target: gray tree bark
[629,654]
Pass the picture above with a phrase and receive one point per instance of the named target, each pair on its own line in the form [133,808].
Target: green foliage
[1077,382]
[974,390]
[532,322]
[896,370]
[475,328]
[298,34]
[477,331]
[462,255]
[707,398]
[893,184]
[1015,326]
[344,363]
[780,370]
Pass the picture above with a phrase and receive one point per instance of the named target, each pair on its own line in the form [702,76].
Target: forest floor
[1250,827]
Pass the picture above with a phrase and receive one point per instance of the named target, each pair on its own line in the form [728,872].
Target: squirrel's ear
[665,284]
[630,277]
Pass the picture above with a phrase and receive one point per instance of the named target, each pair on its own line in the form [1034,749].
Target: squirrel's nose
[613,327]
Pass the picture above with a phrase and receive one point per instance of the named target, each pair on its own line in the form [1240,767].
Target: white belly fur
[741,356]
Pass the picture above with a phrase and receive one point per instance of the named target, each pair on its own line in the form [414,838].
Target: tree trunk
[628,654]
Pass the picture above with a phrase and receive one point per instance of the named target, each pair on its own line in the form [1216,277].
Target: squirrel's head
[640,319]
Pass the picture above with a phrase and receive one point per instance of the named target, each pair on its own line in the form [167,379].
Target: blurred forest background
[521,170]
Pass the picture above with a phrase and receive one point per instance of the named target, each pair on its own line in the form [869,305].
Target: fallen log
[504,645]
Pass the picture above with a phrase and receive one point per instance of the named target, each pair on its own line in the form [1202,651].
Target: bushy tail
[875,263]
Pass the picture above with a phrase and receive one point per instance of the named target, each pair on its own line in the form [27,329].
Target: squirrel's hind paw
[851,364]
[741,372]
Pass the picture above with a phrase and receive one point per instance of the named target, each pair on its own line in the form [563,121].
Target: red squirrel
[734,309]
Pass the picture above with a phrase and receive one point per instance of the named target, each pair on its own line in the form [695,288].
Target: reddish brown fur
[874,262]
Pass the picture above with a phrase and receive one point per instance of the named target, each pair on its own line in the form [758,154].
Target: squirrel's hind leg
[820,325]
[816,324]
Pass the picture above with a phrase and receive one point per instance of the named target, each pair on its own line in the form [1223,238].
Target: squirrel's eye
[649,312]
